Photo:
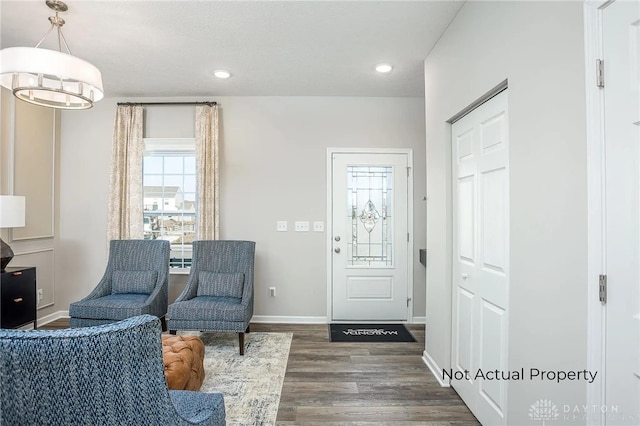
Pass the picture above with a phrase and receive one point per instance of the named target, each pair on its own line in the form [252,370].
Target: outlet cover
[318,226]
[281,226]
[302,226]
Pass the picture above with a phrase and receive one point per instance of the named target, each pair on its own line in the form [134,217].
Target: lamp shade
[12,211]
[50,78]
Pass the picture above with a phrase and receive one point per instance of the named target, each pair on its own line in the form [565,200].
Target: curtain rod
[167,103]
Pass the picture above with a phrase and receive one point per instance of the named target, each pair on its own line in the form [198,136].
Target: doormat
[370,333]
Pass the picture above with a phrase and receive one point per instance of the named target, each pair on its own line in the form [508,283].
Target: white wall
[273,167]
[538,47]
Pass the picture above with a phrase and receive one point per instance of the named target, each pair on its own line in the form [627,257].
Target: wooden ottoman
[183,356]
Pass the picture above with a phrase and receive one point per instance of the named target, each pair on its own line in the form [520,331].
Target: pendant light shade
[50,78]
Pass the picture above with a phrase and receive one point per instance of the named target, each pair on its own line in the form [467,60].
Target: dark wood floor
[358,383]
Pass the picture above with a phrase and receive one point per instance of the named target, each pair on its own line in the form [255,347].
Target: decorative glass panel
[369,203]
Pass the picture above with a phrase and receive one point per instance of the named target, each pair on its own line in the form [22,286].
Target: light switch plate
[281,226]
[302,226]
[318,226]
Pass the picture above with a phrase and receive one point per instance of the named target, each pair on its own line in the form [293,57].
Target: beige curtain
[125,198]
[207,212]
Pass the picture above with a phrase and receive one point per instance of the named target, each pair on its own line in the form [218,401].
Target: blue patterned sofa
[103,375]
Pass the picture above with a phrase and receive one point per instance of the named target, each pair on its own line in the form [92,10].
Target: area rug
[251,384]
[370,333]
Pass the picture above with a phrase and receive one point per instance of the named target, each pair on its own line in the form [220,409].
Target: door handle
[337,238]
[337,249]
[464,276]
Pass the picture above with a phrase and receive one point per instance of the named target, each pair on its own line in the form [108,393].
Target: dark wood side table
[18,297]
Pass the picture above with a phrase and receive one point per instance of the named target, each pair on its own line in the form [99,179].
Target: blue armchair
[219,292]
[105,375]
[136,282]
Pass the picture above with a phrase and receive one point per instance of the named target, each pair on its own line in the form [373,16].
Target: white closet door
[481,256]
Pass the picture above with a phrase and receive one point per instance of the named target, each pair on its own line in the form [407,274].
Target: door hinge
[408,237]
[600,72]
[408,301]
[602,289]
[408,171]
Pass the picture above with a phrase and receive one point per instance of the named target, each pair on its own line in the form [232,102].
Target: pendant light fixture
[51,78]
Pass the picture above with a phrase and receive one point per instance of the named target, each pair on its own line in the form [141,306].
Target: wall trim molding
[435,370]
[33,251]
[419,320]
[50,233]
[46,319]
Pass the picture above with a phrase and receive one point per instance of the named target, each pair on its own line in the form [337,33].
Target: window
[169,187]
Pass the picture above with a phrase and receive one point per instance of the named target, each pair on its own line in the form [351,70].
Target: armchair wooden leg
[163,323]
[173,331]
[241,341]
[248,329]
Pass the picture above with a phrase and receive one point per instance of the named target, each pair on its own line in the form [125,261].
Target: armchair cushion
[220,284]
[209,307]
[140,282]
[113,307]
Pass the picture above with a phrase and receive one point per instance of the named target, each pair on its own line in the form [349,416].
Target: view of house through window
[169,180]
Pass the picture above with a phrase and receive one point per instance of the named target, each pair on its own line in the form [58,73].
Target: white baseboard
[26,327]
[52,317]
[267,319]
[274,319]
[435,370]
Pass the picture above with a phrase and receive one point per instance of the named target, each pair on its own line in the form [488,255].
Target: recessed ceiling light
[222,73]
[383,68]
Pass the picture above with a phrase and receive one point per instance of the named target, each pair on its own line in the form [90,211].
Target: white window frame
[170,146]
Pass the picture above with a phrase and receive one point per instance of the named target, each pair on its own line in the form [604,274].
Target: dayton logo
[369,332]
[543,410]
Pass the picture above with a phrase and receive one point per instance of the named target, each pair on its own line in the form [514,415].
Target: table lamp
[11,216]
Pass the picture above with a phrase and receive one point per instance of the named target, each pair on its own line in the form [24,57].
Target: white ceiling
[272,48]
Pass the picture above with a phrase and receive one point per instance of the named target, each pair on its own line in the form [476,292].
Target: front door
[370,236]
[480,148]
[621,47]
